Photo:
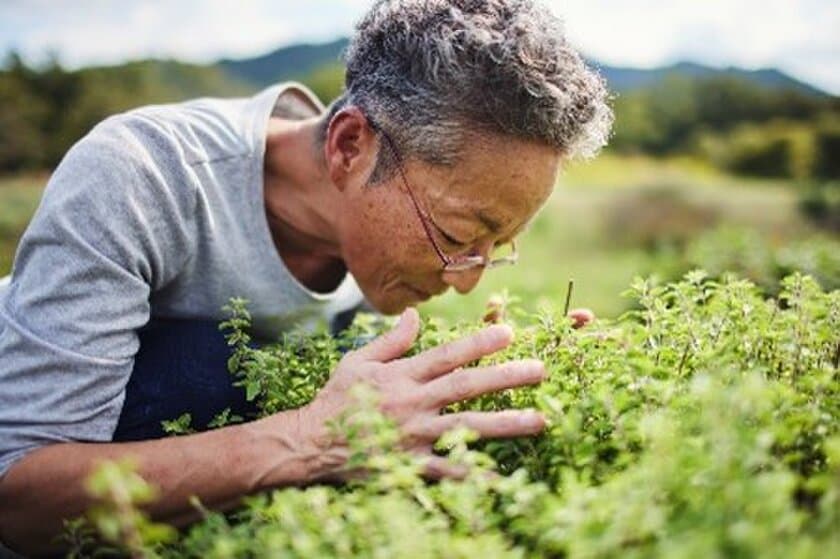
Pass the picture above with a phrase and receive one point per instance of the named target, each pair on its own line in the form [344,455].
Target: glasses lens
[502,252]
[465,263]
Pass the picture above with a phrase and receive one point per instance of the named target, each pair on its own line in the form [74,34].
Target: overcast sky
[799,37]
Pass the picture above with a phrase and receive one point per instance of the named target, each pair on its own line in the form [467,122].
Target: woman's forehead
[498,191]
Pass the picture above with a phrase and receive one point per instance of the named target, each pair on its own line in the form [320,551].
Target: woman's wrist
[291,448]
[324,456]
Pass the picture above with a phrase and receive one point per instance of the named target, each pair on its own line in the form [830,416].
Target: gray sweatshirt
[157,212]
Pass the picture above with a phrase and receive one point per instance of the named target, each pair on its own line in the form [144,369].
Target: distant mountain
[159,81]
[296,61]
[45,110]
[286,63]
[629,79]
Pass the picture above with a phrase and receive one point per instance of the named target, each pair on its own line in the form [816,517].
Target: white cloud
[752,33]
[103,32]
[797,36]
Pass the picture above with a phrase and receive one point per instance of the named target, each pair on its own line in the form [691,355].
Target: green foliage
[659,119]
[326,82]
[118,492]
[43,111]
[183,424]
[757,257]
[827,148]
[703,423]
[223,418]
[19,196]
[655,217]
[760,156]
[180,426]
[741,127]
[285,378]
[775,149]
[821,204]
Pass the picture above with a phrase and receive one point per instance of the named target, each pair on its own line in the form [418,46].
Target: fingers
[437,467]
[444,358]
[491,425]
[465,384]
[394,343]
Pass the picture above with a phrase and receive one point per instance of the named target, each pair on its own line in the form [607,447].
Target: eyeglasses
[458,263]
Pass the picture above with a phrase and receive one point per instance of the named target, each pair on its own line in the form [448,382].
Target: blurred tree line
[738,125]
[45,109]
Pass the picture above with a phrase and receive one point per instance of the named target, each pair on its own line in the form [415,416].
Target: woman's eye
[450,239]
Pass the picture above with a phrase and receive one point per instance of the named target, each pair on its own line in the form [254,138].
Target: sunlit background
[726,152]
[798,37]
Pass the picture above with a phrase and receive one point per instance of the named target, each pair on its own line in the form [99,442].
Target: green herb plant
[703,423]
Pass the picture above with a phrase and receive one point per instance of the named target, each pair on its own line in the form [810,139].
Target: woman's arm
[287,448]
[217,466]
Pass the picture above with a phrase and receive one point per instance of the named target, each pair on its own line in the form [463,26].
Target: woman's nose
[464,281]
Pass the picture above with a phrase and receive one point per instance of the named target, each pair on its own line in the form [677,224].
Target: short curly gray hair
[433,72]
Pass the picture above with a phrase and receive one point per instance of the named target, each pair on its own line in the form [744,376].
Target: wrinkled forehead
[502,185]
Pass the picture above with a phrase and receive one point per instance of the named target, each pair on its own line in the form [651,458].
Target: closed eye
[450,239]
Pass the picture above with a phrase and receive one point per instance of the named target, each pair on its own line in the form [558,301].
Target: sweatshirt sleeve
[114,225]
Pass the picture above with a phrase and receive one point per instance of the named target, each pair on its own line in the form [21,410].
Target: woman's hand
[412,392]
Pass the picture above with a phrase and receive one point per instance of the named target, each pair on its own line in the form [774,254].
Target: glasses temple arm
[417,208]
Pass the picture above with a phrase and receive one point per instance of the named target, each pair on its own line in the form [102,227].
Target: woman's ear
[350,148]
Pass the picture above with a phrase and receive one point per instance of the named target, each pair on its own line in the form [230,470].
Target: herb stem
[568,297]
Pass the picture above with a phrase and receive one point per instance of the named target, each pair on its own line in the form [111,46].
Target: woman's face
[483,201]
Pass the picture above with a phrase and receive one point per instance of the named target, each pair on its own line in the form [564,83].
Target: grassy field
[597,228]
[19,197]
[601,220]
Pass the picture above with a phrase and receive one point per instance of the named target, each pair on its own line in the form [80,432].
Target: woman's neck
[300,205]
[300,200]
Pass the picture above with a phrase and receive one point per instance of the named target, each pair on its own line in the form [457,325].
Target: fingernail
[531,420]
[535,365]
[502,332]
[402,317]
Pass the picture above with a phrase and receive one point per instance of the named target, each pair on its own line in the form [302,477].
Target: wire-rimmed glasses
[457,263]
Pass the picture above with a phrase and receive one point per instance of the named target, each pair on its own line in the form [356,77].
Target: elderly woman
[456,118]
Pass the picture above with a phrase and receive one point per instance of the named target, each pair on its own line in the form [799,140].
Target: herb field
[703,423]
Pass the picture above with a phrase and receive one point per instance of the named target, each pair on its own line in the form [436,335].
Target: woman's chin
[388,304]
[396,301]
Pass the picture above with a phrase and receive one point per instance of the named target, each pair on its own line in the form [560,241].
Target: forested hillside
[749,122]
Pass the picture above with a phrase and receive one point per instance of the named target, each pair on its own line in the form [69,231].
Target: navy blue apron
[181,367]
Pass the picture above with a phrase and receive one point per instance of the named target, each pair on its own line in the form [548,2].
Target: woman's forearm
[218,467]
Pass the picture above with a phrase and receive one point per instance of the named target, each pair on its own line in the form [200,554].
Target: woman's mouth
[419,293]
